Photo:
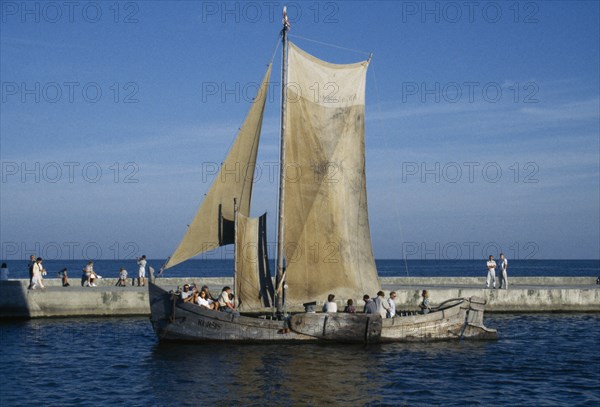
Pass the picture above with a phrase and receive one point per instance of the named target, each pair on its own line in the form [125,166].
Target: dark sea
[539,359]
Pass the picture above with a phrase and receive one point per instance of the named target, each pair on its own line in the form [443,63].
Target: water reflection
[312,374]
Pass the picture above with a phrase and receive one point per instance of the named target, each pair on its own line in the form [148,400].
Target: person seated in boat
[424,305]
[225,303]
[330,305]
[209,296]
[187,295]
[370,306]
[350,308]
[204,302]
[214,303]
[64,277]
[122,281]
[382,304]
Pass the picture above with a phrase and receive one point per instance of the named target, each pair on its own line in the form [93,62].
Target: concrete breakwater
[525,294]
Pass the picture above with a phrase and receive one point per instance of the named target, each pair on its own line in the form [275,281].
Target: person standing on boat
[141,261]
[424,305]
[391,312]
[370,306]
[491,275]
[503,275]
[330,305]
[382,304]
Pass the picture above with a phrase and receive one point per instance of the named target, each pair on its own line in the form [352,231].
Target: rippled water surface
[544,359]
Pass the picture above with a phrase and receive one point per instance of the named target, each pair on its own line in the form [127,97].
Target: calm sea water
[542,359]
[386,268]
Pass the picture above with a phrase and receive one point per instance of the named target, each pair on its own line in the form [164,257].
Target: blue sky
[483,126]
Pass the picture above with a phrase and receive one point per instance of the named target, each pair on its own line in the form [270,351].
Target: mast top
[285,21]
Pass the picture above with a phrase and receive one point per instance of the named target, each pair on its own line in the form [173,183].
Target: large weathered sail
[327,238]
[213,224]
[254,287]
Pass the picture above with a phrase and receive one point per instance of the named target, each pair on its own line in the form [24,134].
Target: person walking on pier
[491,275]
[141,261]
[503,275]
[36,280]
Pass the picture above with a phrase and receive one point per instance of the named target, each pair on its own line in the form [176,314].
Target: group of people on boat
[202,297]
[377,305]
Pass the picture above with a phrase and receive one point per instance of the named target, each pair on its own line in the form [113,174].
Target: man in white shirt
[491,275]
[391,312]
[142,270]
[503,275]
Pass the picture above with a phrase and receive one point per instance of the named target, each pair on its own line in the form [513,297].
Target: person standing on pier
[36,280]
[141,261]
[491,275]
[503,275]
[4,272]
[30,268]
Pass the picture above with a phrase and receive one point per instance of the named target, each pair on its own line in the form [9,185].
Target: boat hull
[174,320]
[461,319]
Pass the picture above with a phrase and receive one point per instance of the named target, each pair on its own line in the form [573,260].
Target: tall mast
[235,250]
[279,292]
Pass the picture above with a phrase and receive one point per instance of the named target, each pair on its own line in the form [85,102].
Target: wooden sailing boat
[322,128]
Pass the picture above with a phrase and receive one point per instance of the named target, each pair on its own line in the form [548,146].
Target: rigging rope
[387,148]
[330,45]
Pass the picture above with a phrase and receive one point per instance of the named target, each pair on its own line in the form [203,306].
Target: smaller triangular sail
[254,286]
[212,225]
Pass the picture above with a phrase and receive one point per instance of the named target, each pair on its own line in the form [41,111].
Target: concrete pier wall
[526,294]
